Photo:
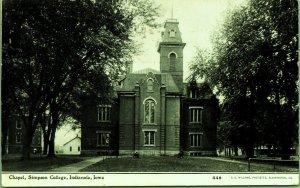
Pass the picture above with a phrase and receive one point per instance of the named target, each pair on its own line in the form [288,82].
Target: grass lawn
[173,164]
[38,164]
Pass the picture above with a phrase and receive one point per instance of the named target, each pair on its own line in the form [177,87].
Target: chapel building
[155,112]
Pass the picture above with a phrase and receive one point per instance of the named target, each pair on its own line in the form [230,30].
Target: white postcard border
[146,179]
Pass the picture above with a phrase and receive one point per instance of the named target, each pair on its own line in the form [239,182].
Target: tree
[51,48]
[254,67]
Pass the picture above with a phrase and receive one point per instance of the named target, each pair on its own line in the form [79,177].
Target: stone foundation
[200,153]
[98,152]
[146,152]
[149,152]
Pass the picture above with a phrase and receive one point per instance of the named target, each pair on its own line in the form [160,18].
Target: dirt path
[75,167]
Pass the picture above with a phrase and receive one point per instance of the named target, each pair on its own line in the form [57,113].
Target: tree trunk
[235,151]
[4,134]
[44,124]
[27,139]
[46,144]
[249,152]
[51,151]
[55,120]
[46,140]
[285,152]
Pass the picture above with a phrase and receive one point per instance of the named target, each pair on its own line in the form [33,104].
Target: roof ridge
[72,139]
[146,70]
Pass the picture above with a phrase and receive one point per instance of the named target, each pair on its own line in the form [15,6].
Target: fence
[273,162]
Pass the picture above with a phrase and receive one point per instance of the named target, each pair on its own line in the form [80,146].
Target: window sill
[103,121]
[149,145]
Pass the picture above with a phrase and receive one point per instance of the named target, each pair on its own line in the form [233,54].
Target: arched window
[150,84]
[172,61]
[172,33]
[149,110]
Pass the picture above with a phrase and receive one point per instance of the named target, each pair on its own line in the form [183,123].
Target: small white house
[73,146]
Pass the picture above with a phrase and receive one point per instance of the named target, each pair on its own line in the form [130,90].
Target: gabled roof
[146,71]
[138,77]
[72,140]
[169,82]
[203,89]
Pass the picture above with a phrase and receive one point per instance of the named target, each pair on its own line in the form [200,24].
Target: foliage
[254,66]
[54,50]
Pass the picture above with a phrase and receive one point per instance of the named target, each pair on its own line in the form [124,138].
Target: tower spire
[172,9]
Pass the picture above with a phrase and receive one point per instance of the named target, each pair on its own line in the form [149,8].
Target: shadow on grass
[37,163]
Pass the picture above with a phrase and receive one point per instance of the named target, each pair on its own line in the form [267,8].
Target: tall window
[18,124]
[104,113]
[70,148]
[195,139]
[150,84]
[172,61]
[196,114]
[149,139]
[149,110]
[78,148]
[103,139]
[18,137]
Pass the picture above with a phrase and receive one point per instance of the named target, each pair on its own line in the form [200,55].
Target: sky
[198,20]
[65,134]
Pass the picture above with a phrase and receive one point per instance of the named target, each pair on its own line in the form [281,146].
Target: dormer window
[193,94]
[172,33]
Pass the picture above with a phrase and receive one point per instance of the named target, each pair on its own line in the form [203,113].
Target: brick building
[154,113]
[14,137]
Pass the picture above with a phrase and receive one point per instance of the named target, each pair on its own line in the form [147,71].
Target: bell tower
[171,51]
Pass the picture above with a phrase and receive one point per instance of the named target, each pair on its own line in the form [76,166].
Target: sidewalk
[77,166]
[226,160]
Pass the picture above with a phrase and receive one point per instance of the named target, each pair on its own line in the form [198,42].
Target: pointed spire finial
[172,9]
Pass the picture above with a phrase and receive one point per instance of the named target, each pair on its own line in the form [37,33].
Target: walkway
[226,160]
[75,167]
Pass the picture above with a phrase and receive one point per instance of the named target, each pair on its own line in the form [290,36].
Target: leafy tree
[51,49]
[254,67]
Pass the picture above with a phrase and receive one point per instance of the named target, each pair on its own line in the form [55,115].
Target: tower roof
[171,31]
[171,34]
